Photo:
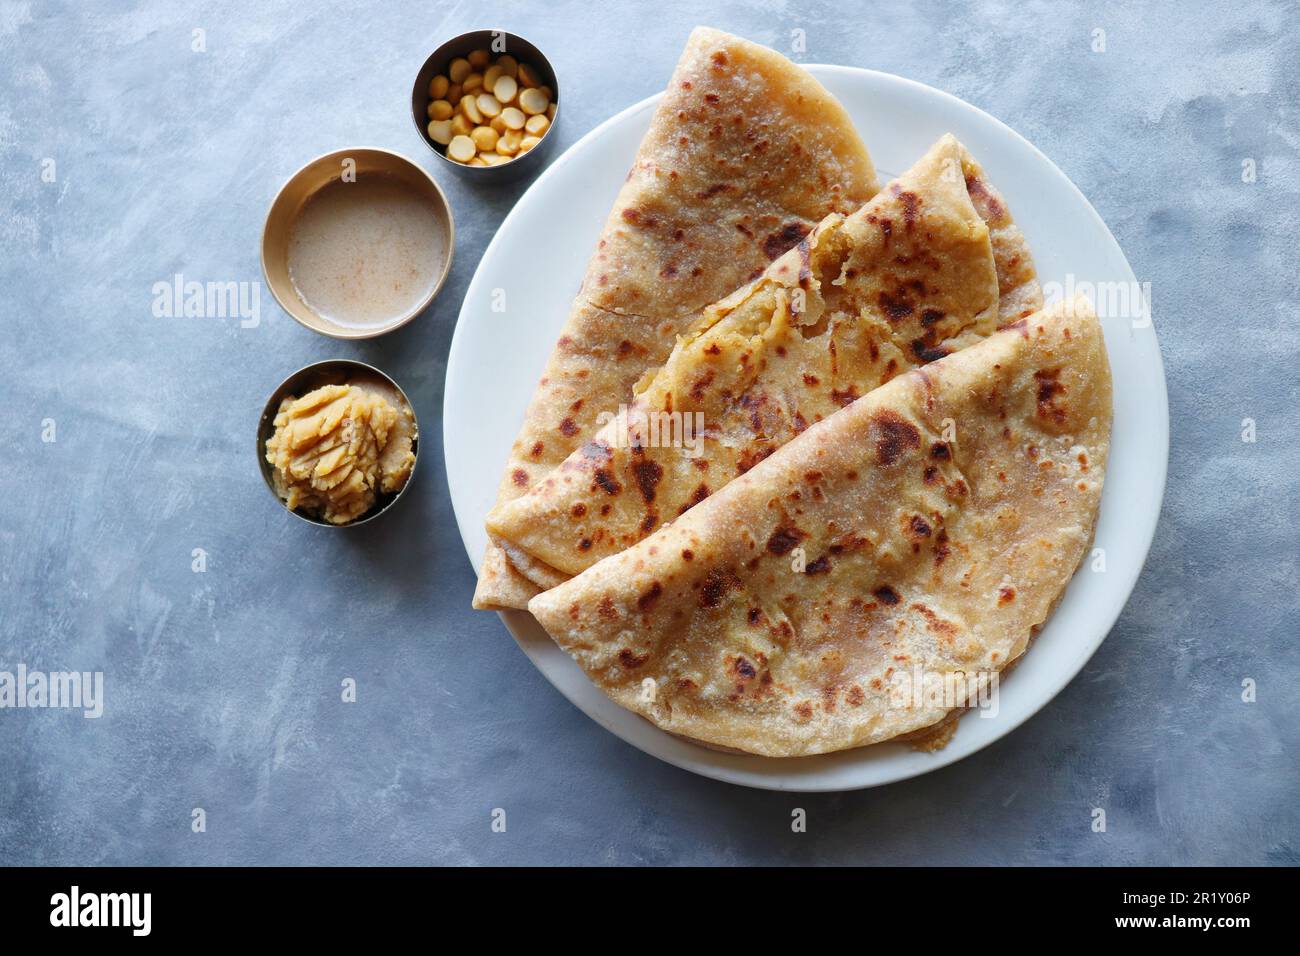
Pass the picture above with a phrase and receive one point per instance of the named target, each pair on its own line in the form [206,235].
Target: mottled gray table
[127,157]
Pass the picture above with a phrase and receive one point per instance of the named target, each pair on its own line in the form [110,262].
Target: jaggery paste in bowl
[339,450]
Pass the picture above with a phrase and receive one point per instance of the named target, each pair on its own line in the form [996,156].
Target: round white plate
[538,258]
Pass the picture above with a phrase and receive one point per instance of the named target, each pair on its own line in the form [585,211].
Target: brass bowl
[438,61]
[304,184]
[331,372]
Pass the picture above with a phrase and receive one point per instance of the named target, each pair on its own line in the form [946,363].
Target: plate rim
[516,620]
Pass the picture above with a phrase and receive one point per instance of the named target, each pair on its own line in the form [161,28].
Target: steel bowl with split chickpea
[357,243]
[486,103]
[337,443]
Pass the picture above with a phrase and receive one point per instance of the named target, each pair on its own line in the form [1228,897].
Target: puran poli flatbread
[745,154]
[779,615]
[906,279]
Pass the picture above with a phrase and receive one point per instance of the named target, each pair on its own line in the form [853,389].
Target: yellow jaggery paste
[337,448]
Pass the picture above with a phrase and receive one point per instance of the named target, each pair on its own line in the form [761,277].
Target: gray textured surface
[223,687]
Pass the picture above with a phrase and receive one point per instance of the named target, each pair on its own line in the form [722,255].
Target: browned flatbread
[908,278]
[745,154]
[931,524]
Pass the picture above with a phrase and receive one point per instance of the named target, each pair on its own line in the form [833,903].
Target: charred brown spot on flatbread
[820,566]
[700,384]
[783,540]
[636,217]
[752,456]
[895,307]
[699,494]
[886,595]
[846,397]
[716,585]
[648,474]
[941,549]
[1049,387]
[993,209]
[936,624]
[911,202]
[893,435]
[784,239]
[925,352]
[647,600]
[630,660]
[606,482]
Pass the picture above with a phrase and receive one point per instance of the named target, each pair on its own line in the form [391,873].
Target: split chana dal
[488,111]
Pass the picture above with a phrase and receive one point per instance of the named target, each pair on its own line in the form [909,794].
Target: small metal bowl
[304,184]
[438,61]
[332,372]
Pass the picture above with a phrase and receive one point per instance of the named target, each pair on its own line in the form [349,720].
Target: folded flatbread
[908,278]
[927,529]
[746,153]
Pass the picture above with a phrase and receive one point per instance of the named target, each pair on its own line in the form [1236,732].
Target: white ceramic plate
[538,257]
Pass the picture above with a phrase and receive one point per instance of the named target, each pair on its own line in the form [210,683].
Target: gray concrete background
[223,686]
